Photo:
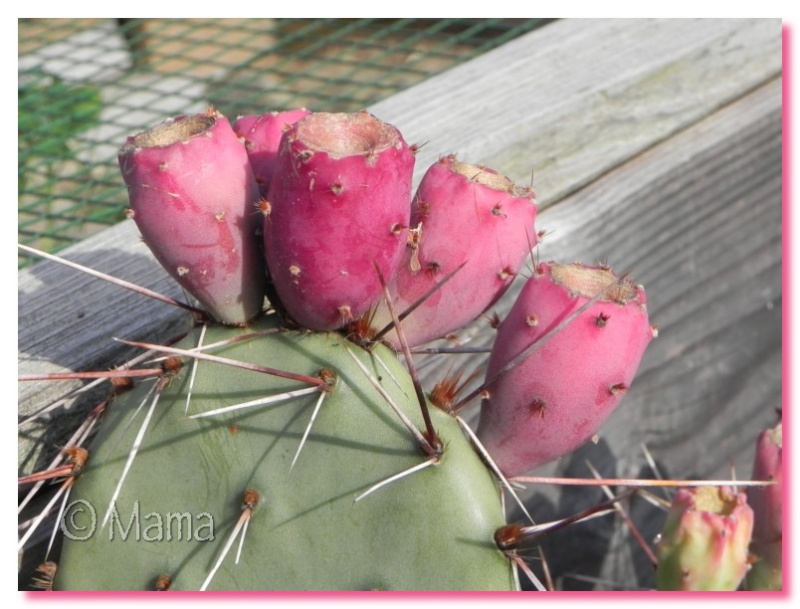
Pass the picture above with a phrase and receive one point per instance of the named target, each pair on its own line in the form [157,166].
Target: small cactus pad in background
[767,503]
[338,207]
[432,529]
[704,542]
[192,196]
[461,215]
[557,397]
[262,136]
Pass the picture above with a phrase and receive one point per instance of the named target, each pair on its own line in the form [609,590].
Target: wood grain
[697,220]
[577,97]
[657,147]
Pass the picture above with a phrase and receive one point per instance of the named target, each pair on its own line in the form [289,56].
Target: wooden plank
[697,220]
[548,78]
[576,98]
[695,216]
[67,321]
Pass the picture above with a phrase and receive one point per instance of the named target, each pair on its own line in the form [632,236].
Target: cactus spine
[262,137]
[467,220]
[310,530]
[569,382]
[192,193]
[341,180]
[290,450]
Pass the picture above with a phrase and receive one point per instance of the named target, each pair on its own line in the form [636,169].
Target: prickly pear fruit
[704,542]
[192,196]
[339,206]
[461,214]
[559,395]
[262,136]
[767,503]
[432,529]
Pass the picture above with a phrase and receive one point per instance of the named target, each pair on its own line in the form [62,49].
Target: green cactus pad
[432,529]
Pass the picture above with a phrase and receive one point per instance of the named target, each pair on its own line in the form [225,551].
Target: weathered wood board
[697,220]
[656,146]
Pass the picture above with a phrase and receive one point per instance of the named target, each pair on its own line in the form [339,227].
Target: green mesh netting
[85,84]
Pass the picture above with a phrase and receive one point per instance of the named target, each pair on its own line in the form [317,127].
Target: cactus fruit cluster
[285,443]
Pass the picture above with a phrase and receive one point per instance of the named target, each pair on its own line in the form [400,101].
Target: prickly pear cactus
[704,542]
[191,190]
[557,398]
[287,443]
[313,526]
[767,503]
[262,136]
[338,208]
[494,235]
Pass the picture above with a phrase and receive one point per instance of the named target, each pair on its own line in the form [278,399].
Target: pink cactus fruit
[558,396]
[704,542]
[339,206]
[262,136]
[767,503]
[192,195]
[461,214]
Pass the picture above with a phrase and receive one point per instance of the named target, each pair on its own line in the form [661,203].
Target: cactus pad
[432,529]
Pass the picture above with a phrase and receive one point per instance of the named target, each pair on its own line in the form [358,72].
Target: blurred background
[86,84]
